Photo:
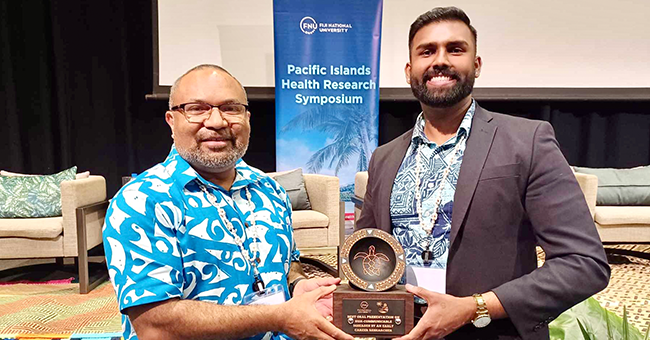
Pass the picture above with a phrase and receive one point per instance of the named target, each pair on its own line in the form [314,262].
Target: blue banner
[327,86]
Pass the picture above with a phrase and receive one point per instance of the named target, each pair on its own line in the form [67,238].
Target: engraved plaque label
[379,317]
[386,314]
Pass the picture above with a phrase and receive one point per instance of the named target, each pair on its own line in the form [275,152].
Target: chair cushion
[80,175]
[621,186]
[616,215]
[304,219]
[293,182]
[42,228]
[33,196]
[635,233]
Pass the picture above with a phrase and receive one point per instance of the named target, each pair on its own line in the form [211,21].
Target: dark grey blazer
[515,191]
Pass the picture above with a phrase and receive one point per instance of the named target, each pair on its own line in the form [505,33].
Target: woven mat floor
[57,309]
[629,286]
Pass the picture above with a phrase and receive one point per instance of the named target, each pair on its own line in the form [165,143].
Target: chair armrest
[80,192]
[86,209]
[82,241]
[80,214]
[75,194]
[358,201]
[324,196]
[589,186]
[360,184]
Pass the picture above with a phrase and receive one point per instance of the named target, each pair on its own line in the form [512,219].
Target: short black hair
[440,14]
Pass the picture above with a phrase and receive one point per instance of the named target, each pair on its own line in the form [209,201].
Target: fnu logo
[308,25]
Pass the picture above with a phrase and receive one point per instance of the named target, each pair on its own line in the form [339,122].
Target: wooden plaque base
[385,314]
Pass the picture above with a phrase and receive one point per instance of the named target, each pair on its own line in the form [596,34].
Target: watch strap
[481,309]
[480,302]
[292,285]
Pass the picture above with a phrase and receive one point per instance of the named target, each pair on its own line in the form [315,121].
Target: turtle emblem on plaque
[371,261]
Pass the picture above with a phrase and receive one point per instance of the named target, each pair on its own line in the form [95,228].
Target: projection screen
[559,44]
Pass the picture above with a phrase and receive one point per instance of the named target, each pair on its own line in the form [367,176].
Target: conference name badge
[272,295]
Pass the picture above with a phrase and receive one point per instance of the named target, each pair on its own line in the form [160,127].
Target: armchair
[616,224]
[319,231]
[79,229]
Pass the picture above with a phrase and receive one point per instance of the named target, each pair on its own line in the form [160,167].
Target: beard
[214,160]
[442,97]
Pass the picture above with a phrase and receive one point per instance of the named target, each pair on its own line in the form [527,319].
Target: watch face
[481,321]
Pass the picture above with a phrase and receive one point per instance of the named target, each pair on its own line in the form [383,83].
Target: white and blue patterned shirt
[163,238]
[403,212]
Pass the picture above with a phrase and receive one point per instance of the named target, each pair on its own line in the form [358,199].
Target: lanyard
[258,284]
[427,255]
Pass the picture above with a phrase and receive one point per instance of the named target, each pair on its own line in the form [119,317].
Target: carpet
[49,282]
[42,311]
[629,286]
[58,311]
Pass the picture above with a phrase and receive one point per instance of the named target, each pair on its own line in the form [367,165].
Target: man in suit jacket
[473,192]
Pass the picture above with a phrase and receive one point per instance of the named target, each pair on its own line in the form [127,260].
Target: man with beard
[201,245]
[470,193]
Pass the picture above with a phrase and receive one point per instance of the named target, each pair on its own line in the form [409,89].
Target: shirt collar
[465,125]
[183,173]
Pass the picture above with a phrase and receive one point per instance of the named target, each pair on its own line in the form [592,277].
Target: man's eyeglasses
[199,112]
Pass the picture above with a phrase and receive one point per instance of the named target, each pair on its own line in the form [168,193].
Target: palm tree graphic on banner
[351,129]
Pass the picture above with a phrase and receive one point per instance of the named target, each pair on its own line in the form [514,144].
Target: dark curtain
[74,75]
[591,133]
[594,133]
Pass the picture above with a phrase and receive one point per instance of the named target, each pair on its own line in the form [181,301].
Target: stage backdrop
[327,86]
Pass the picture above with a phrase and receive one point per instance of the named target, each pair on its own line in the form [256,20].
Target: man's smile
[440,81]
[440,78]
[215,142]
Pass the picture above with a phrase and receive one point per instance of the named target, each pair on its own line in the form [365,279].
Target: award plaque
[371,305]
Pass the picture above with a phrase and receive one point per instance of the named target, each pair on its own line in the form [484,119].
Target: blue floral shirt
[164,239]
[403,212]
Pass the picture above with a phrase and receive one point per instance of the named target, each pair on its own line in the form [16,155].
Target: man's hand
[324,304]
[445,314]
[300,320]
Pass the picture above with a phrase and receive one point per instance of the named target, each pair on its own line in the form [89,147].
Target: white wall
[525,43]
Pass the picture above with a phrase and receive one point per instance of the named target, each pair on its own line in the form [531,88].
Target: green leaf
[601,323]
[626,331]
[585,334]
[609,327]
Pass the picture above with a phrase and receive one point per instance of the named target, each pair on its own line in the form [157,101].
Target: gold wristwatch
[482,317]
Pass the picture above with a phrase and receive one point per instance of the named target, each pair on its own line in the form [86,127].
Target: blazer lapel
[478,146]
[391,166]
